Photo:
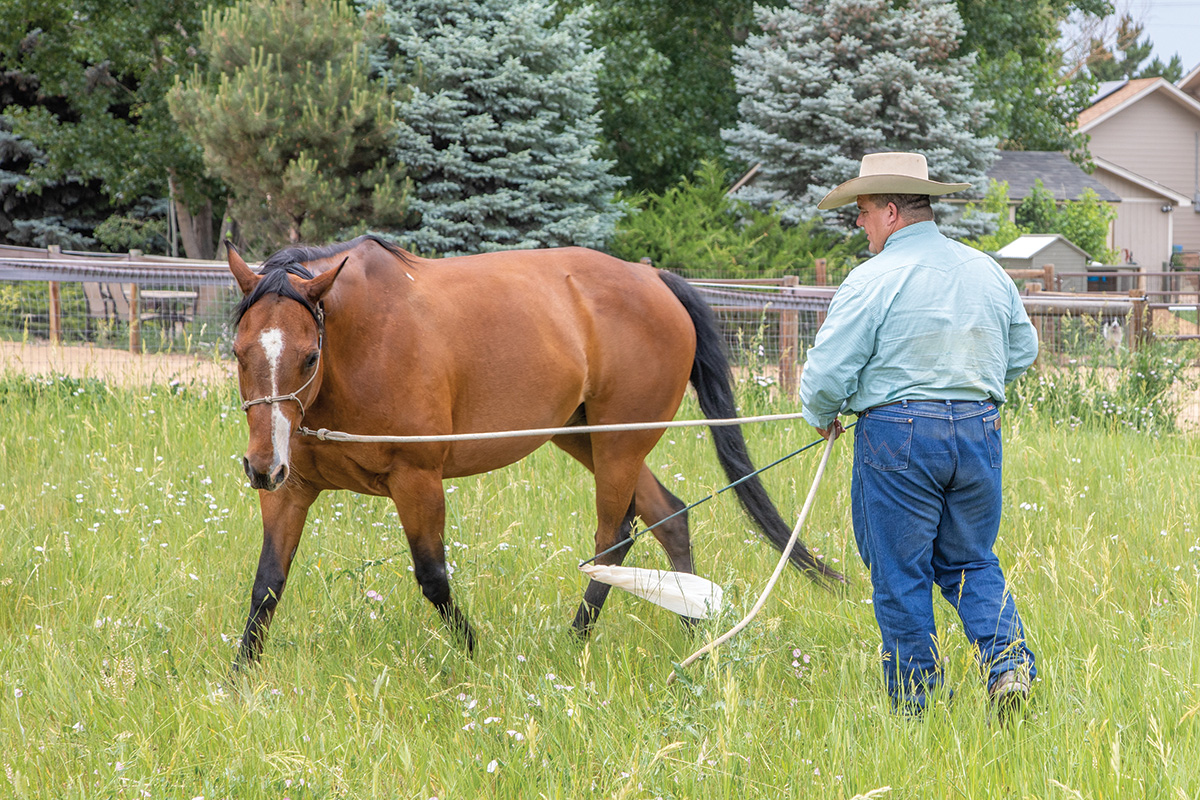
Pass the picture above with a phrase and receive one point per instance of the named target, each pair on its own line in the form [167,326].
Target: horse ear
[245,277]
[316,288]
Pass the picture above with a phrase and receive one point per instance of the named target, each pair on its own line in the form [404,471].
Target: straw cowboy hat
[889,173]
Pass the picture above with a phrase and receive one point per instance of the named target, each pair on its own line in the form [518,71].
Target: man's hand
[833,431]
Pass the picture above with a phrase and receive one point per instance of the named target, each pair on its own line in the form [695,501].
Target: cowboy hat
[889,173]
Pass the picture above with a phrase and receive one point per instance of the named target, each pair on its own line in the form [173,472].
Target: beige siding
[1187,228]
[1142,233]
[1155,138]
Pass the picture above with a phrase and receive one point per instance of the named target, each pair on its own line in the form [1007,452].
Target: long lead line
[812,493]
[635,536]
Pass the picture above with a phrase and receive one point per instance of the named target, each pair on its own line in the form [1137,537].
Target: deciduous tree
[1020,70]
[95,74]
[666,85]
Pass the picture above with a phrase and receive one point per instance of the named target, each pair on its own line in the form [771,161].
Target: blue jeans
[926,510]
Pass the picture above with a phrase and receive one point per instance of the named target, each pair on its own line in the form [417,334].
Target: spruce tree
[828,81]
[500,134]
[290,118]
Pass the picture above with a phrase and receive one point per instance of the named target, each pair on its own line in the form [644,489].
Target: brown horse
[366,338]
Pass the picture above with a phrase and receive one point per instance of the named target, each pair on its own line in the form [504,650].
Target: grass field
[128,541]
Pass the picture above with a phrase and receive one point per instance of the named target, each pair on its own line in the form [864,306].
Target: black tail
[713,381]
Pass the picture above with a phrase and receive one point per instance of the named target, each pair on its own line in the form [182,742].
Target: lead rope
[812,493]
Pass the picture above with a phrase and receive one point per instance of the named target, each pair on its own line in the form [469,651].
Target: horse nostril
[246,467]
[279,475]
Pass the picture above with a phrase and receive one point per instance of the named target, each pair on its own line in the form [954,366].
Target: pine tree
[500,134]
[828,81]
[291,120]
[1125,59]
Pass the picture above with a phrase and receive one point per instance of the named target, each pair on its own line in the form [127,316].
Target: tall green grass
[128,542]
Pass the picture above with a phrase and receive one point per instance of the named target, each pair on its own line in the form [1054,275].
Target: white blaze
[272,344]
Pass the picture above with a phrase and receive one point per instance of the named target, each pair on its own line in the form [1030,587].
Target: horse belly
[473,458]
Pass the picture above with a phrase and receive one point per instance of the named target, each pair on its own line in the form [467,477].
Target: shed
[1036,250]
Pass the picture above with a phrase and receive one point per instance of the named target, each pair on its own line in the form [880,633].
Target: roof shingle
[1061,176]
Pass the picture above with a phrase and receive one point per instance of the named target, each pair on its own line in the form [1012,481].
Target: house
[1144,137]
[1059,175]
[1190,84]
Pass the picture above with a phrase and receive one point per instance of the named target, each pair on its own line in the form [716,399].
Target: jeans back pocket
[991,435]
[886,440]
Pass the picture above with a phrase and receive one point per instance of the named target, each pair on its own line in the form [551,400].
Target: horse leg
[653,502]
[421,504]
[656,506]
[284,512]
[617,471]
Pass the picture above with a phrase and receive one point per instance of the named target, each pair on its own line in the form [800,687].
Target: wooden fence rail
[796,311]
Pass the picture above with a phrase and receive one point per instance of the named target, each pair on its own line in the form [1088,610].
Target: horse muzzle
[270,480]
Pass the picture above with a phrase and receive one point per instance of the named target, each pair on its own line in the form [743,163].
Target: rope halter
[280,398]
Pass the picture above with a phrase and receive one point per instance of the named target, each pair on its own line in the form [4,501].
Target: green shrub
[696,229]
[1084,222]
[995,203]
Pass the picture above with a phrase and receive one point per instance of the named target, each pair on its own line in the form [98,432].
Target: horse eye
[311,361]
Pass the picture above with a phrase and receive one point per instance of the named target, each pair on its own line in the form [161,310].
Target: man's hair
[914,207]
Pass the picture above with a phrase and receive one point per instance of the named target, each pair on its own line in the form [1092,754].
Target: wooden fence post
[135,310]
[789,341]
[1138,312]
[1048,280]
[1038,320]
[55,300]
[822,280]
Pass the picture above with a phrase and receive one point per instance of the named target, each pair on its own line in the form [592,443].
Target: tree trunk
[195,229]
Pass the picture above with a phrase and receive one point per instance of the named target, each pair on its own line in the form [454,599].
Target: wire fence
[127,317]
[131,317]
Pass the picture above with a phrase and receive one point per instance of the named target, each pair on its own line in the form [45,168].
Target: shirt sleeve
[842,348]
[1022,341]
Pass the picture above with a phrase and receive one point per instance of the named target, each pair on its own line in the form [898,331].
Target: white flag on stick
[681,592]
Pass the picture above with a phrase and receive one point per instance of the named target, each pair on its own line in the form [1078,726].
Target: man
[919,342]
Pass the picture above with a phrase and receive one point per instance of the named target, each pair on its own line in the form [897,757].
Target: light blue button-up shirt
[926,319]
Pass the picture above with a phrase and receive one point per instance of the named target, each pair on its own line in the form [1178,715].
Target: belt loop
[904,403]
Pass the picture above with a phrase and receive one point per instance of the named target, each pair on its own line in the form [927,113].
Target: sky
[1172,25]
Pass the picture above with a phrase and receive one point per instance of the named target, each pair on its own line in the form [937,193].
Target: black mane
[290,261]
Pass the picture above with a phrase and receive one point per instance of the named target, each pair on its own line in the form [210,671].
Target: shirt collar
[909,231]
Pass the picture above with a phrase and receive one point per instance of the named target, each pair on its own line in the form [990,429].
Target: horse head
[280,327]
